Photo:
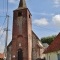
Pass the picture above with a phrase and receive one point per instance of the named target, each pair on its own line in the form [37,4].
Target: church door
[20,54]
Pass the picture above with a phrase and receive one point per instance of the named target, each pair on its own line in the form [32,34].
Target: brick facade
[22,35]
[36,48]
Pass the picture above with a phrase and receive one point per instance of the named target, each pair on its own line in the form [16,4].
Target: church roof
[55,45]
[22,4]
[35,35]
[39,43]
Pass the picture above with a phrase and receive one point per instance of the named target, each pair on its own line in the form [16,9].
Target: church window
[29,16]
[19,14]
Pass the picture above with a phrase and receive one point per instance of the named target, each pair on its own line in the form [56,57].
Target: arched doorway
[20,54]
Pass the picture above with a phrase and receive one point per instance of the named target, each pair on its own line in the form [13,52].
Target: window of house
[58,55]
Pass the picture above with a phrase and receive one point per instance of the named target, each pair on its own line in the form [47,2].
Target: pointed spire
[22,4]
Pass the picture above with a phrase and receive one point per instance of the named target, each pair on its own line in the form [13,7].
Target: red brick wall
[25,39]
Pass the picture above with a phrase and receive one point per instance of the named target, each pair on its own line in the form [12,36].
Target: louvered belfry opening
[20,54]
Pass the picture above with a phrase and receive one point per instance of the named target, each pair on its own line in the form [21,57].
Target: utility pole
[5,50]
[7,18]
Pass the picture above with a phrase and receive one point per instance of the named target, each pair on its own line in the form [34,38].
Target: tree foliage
[48,39]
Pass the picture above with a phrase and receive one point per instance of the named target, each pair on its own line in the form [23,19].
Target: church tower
[22,33]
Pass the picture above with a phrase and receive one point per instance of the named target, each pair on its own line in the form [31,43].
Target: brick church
[25,44]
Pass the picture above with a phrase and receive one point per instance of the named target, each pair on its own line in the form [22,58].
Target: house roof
[1,55]
[54,46]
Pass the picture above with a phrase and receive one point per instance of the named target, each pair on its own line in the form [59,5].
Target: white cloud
[11,1]
[56,20]
[2,39]
[41,22]
[0,42]
[1,48]
[43,13]
[56,3]
[1,30]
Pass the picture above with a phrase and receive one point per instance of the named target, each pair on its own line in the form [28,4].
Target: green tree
[48,39]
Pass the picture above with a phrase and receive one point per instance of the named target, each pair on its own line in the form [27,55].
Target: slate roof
[22,3]
[54,46]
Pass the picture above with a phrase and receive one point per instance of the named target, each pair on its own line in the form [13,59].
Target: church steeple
[22,4]
[22,33]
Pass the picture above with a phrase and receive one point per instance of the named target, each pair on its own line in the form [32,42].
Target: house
[1,56]
[25,44]
[45,45]
[53,51]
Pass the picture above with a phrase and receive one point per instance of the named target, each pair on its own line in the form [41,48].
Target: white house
[53,51]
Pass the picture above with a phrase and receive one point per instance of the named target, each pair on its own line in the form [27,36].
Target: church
[25,44]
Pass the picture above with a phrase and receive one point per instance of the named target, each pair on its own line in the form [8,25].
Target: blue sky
[45,17]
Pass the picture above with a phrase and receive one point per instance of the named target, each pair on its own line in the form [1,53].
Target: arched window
[20,54]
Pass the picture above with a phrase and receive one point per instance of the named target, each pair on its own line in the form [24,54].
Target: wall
[36,47]
[52,55]
[9,53]
[22,34]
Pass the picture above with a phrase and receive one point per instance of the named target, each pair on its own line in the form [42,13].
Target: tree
[48,39]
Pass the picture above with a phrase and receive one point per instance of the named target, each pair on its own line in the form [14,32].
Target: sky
[45,18]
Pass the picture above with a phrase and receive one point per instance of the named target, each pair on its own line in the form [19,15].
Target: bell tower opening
[19,14]
[20,54]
